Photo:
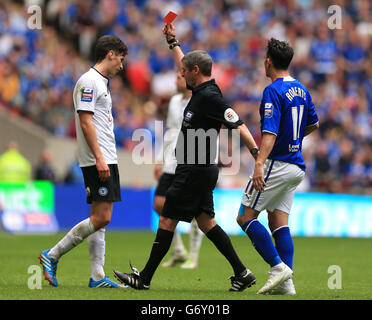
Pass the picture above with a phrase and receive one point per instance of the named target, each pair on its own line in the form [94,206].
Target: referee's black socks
[223,243]
[159,249]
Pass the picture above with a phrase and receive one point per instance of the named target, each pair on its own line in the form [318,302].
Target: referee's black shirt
[206,111]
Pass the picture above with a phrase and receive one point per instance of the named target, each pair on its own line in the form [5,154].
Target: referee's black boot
[133,280]
[244,280]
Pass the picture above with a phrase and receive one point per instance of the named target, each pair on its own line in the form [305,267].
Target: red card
[169,18]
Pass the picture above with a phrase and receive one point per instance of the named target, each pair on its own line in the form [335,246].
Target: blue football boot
[105,283]
[50,267]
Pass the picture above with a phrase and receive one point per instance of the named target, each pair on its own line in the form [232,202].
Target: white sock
[74,237]
[177,244]
[196,236]
[96,246]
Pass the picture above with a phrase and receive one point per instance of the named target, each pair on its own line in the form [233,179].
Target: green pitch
[312,262]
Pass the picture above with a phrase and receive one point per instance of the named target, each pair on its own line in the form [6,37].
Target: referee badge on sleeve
[230,115]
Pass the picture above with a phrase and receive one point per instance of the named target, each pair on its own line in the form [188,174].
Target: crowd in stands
[38,68]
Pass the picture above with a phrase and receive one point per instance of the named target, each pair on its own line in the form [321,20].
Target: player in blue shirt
[287,116]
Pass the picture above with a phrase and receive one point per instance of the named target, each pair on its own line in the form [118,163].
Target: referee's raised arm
[174,45]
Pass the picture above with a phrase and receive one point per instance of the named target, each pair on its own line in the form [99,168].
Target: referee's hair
[106,43]
[201,59]
[280,53]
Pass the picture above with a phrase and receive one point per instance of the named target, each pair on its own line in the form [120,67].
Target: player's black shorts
[191,192]
[98,190]
[165,182]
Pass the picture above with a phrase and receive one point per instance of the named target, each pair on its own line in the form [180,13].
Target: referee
[98,160]
[191,193]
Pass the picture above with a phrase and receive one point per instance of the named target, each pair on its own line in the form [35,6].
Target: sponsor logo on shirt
[87,95]
[268,110]
[109,115]
[293,147]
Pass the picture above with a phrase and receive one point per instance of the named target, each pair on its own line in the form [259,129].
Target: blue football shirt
[286,110]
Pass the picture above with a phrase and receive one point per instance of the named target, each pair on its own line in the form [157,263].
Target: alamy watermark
[195,147]
[34,21]
[335,20]
[335,280]
[34,281]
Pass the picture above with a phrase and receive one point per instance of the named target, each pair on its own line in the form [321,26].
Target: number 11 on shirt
[297,119]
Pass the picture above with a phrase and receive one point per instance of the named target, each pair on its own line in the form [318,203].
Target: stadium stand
[38,69]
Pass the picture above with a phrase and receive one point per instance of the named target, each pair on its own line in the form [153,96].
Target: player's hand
[103,170]
[258,177]
[169,31]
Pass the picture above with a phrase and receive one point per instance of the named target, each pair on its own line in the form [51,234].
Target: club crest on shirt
[86,94]
[268,110]
[230,115]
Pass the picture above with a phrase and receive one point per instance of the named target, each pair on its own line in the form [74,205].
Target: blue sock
[262,242]
[284,245]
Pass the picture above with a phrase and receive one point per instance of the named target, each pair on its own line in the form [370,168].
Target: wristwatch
[254,151]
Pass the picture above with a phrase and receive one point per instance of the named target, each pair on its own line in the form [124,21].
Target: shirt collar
[285,79]
[203,85]
[104,77]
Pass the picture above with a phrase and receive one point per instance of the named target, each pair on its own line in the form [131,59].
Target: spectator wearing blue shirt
[323,51]
[354,58]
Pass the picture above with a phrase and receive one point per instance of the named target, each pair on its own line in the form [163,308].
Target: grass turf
[313,257]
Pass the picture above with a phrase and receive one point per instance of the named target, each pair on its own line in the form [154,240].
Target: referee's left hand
[103,170]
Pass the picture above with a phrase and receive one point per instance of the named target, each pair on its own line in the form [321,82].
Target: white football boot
[285,288]
[277,275]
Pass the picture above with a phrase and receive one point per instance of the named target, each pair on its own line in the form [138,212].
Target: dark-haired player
[287,116]
[98,160]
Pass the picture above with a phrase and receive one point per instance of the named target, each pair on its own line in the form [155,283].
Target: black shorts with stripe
[191,192]
[98,190]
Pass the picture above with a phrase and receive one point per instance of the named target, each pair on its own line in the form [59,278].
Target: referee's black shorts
[164,183]
[98,190]
[191,192]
